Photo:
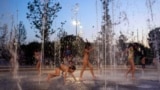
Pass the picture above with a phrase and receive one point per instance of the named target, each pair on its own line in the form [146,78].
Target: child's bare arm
[73,76]
[65,75]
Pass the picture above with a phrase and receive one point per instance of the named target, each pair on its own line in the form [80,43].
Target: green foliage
[76,44]
[5,54]
[49,50]
[154,41]
[62,32]
[3,35]
[143,50]
[41,16]
[28,51]
[31,47]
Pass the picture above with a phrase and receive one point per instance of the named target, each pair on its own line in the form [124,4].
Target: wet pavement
[108,79]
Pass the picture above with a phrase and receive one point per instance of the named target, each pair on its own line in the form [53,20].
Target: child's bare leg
[128,72]
[130,62]
[91,69]
[38,67]
[133,71]
[133,74]
[52,75]
[81,73]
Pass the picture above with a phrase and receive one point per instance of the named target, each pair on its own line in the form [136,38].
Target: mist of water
[14,62]
[108,33]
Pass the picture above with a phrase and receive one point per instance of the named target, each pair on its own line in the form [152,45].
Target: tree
[122,42]
[106,31]
[4,53]
[41,16]
[28,51]
[76,44]
[3,35]
[21,33]
[62,32]
[154,42]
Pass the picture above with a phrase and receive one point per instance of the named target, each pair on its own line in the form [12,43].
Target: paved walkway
[108,79]
[30,68]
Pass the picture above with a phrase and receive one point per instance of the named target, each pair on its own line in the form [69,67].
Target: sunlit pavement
[108,79]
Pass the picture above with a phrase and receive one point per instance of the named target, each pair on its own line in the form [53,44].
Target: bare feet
[80,79]
[94,77]
[133,78]
[39,74]
[48,78]
[126,76]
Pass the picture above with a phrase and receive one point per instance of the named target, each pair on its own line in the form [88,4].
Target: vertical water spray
[44,18]
[149,5]
[14,63]
[112,40]
[43,37]
[154,41]
[98,41]
[157,42]
[106,31]
[13,50]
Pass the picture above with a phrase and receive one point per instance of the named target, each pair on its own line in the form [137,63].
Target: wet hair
[72,67]
[130,45]
[37,50]
[87,45]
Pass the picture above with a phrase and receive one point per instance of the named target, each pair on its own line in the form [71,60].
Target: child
[37,56]
[86,62]
[62,67]
[131,61]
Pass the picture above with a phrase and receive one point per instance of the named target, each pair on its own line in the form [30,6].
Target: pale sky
[135,12]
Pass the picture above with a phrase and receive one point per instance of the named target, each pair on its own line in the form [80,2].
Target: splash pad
[114,80]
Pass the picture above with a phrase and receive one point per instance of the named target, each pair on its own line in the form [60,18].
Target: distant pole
[142,37]
[75,11]
[11,29]
[137,36]
[17,17]
[17,32]
[76,24]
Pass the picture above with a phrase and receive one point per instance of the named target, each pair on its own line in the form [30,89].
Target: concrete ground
[107,79]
